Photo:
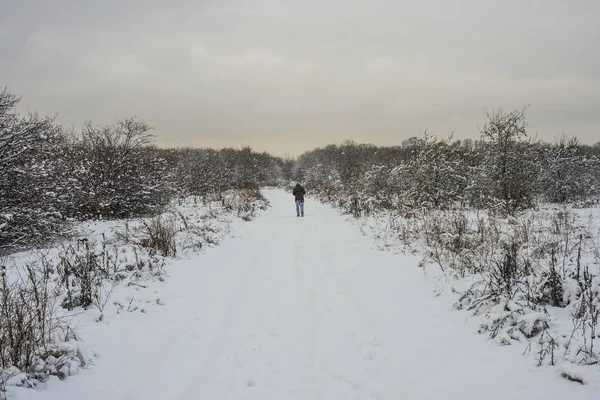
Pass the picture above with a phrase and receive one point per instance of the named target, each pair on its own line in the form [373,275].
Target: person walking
[299,193]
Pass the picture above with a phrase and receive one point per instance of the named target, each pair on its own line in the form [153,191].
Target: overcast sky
[286,76]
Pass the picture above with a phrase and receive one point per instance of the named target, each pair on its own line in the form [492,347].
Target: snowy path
[301,309]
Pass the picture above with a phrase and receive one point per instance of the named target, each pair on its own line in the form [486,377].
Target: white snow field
[301,308]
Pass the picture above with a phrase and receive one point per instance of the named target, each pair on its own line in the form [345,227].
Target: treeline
[50,176]
[506,171]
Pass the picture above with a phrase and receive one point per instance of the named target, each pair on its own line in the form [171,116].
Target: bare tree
[507,169]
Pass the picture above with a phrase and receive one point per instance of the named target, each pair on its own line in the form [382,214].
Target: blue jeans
[299,207]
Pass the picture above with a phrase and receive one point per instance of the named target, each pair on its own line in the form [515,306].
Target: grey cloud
[272,72]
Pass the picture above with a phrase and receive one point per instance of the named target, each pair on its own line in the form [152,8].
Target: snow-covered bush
[28,211]
[82,268]
[115,172]
[34,339]
[568,174]
[202,172]
[159,235]
[245,203]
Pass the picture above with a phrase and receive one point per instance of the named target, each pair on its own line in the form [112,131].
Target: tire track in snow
[178,346]
[223,337]
[362,316]
[310,293]
[322,287]
[370,347]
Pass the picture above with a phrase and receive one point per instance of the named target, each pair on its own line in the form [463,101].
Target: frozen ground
[298,308]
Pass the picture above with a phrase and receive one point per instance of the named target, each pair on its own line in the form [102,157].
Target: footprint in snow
[366,349]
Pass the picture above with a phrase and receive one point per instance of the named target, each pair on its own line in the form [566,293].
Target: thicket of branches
[202,171]
[50,176]
[505,172]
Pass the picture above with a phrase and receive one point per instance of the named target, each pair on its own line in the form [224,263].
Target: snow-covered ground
[299,308]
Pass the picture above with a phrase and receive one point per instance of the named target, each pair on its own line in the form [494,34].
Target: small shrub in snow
[35,341]
[245,203]
[82,270]
[586,315]
[159,236]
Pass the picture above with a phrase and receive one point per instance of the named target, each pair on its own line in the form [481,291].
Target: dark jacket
[299,193]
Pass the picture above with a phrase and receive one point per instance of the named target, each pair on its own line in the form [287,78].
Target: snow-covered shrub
[82,269]
[568,173]
[586,315]
[433,176]
[202,172]
[245,203]
[34,341]
[159,236]
[116,172]
[28,205]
